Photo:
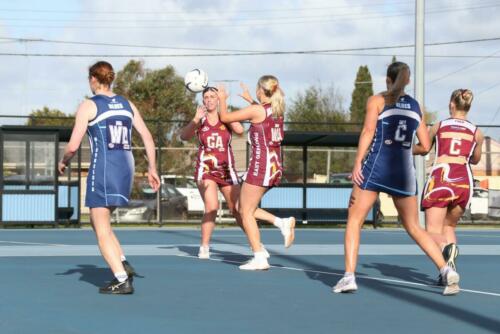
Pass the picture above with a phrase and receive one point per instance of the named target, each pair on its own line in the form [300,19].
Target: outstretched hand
[245,94]
[201,111]
[221,92]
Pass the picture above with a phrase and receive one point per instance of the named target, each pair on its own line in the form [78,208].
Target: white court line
[358,277]
[30,243]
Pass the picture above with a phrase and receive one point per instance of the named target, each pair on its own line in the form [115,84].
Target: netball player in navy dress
[265,165]
[384,163]
[108,119]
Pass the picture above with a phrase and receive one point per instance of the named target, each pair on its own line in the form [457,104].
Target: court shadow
[224,256]
[90,273]
[400,291]
[400,272]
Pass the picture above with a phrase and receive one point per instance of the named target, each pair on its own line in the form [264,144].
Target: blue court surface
[50,280]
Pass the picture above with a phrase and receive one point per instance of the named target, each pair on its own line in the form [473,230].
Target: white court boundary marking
[30,243]
[479,292]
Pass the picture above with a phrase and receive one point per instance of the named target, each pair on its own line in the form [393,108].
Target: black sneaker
[450,253]
[118,288]
[129,269]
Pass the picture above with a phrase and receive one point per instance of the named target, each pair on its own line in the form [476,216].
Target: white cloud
[60,82]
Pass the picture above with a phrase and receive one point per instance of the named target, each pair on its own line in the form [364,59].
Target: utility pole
[420,88]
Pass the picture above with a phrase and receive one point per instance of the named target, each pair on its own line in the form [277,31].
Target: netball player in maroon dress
[265,168]
[215,167]
[449,188]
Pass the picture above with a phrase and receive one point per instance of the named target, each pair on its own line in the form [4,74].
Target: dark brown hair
[399,73]
[103,72]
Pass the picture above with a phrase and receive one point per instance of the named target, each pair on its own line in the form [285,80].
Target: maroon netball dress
[450,182]
[265,167]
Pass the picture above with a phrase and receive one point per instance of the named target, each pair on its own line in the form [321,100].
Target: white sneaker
[346,284]
[204,253]
[264,250]
[451,280]
[288,231]
[256,263]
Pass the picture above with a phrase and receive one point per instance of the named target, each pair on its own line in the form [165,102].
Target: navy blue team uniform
[389,166]
[111,172]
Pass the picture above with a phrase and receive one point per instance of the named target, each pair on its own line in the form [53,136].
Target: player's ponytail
[462,98]
[270,87]
[399,75]
[103,72]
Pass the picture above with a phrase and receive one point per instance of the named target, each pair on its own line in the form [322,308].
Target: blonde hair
[462,98]
[399,73]
[270,87]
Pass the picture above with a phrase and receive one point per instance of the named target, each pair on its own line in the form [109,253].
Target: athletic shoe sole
[291,237]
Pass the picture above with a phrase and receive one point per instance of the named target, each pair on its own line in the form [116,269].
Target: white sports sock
[348,274]
[121,276]
[444,270]
[123,258]
[278,222]
[260,255]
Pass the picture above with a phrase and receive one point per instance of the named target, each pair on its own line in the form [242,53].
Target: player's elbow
[224,118]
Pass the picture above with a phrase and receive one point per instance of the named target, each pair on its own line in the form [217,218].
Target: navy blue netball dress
[111,172]
[389,166]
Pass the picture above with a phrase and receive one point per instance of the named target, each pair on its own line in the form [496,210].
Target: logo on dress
[388,142]
[118,135]
[205,128]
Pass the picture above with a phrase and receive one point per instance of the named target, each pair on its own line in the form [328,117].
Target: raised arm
[85,112]
[373,106]
[476,156]
[189,130]
[237,128]
[149,145]
[420,149]
[245,94]
[253,113]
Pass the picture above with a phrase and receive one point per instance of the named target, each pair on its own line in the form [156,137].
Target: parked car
[173,206]
[187,186]
[340,178]
[479,203]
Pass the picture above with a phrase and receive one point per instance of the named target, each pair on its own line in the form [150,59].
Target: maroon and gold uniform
[450,182]
[265,138]
[215,159]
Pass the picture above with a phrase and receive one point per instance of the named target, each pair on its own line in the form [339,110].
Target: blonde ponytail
[462,99]
[270,87]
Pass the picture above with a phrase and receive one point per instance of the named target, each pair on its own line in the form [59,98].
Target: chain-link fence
[179,200]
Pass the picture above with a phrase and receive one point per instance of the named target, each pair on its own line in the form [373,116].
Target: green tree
[363,89]
[317,109]
[49,117]
[393,60]
[162,99]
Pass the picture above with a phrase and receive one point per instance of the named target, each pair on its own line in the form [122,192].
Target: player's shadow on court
[91,274]
[399,291]
[224,256]
[402,273]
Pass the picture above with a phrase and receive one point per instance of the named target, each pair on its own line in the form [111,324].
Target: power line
[115,12]
[463,68]
[253,53]
[207,18]
[266,21]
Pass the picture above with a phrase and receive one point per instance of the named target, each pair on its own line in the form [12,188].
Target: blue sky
[32,82]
